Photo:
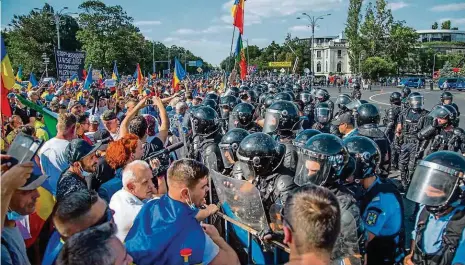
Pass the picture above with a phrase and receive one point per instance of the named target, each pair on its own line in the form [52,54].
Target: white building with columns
[330,55]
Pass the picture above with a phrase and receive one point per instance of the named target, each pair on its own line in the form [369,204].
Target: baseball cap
[344,118]
[94,119]
[73,103]
[108,115]
[77,149]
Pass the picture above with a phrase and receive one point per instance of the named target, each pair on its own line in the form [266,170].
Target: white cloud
[449,7]
[146,30]
[454,21]
[216,51]
[397,5]
[147,23]
[257,10]
[299,28]
[209,30]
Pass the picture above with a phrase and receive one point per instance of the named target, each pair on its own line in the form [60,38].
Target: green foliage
[352,30]
[104,32]
[443,43]
[446,24]
[446,70]
[374,67]
[400,43]
[435,25]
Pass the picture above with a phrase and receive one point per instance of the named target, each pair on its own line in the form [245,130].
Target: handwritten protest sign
[69,64]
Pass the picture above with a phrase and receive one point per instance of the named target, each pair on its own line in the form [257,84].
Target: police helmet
[229,145]
[356,86]
[437,181]
[302,137]
[445,112]
[261,153]
[447,96]
[204,120]
[366,154]
[250,95]
[233,91]
[281,116]
[406,92]
[272,88]
[348,170]
[415,100]
[227,103]
[283,96]
[213,97]
[321,158]
[322,95]
[368,114]
[395,98]
[262,97]
[306,97]
[342,100]
[323,113]
[210,103]
[241,116]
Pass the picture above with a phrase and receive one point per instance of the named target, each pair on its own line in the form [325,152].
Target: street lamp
[57,18]
[46,62]
[312,23]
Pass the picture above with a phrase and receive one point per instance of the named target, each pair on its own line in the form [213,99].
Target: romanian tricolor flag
[179,74]
[139,78]
[7,81]
[88,80]
[32,82]
[19,75]
[240,57]
[74,80]
[237,13]
[115,75]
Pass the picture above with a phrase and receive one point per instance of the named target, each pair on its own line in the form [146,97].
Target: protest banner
[69,64]
[280,64]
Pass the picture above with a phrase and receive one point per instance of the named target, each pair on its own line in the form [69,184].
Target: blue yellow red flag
[179,74]
[32,81]
[19,74]
[88,80]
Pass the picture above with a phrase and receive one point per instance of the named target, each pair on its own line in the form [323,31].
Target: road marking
[382,103]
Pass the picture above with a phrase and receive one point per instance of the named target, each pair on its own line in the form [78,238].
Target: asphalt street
[380,97]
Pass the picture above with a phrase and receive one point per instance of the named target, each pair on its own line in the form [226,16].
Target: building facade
[442,40]
[330,56]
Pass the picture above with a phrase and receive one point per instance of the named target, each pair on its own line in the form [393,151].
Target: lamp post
[312,24]
[46,62]
[57,19]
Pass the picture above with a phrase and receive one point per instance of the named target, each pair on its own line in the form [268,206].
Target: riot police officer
[390,121]
[261,156]
[229,145]
[405,97]
[356,93]
[381,205]
[283,96]
[206,137]
[242,117]
[341,102]
[233,91]
[322,161]
[282,120]
[410,122]
[323,116]
[322,96]
[448,99]
[302,137]
[227,104]
[367,121]
[442,134]
[438,237]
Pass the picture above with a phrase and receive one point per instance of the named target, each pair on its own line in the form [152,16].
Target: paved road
[380,97]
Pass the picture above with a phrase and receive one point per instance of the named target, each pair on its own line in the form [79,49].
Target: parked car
[415,82]
[452,83]
[403,82]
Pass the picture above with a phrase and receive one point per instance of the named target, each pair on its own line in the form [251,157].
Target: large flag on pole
[7,81]
[237,13]
[50,118]
[179,74]
[32,81]
[139,78]
[19,75]
[115,75]
[240,57]
[88,80]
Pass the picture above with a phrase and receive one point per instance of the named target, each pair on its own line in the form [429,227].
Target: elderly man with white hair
[137,189]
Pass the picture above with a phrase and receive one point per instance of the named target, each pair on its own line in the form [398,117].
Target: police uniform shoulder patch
[371,218]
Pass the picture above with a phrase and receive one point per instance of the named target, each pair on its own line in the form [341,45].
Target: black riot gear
[306,97]
[212,96]
[395,98]
[342,100]
[281,117]
[242,117]
[366,154]
[210,103]
[229,145]
[447,96]
[233,91]
[356,86]
[249,96]
[261,153]
[302,137]
[323,113]
[272,89]
[368,114]
[406,92]
[227,104]
[283,96]
[415,100]
[321,158]
[322,95]
[204,120]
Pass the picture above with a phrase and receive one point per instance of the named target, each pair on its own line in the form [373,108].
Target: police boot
[404,180]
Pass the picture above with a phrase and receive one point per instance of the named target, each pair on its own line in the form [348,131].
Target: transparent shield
[242,199]
[227,155]
[311,170]
[233,121]
[275,217]
[23,147]
[346,247]
[271,122]
[323,115]
[183,151]
[354,104]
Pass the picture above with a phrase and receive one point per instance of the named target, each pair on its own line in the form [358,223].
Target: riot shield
[276,218]
[346,249]
[241,200]
[183,151]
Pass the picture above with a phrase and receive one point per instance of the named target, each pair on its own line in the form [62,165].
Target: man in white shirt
[127,202]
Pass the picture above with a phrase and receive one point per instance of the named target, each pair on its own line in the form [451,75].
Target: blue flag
[88,80]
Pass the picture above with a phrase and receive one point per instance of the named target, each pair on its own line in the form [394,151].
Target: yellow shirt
[41,133]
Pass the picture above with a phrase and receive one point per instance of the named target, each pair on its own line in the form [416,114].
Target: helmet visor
[243,171]
[432,184]
[227,155]
[416,102]
[305,97]
[224,111]
[271,121]
[311,169]
[233,121]
[322,115]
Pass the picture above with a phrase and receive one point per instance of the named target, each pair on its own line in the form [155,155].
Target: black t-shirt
[151,147]
[69,182]
[103,174]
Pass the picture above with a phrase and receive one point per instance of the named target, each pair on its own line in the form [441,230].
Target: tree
[352,29]
[401,42]
[435,25]
[446,24]
[33,34]
[376,29]
[446,70]
[374,67]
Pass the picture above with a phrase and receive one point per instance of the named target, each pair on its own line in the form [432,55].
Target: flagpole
[230,55]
